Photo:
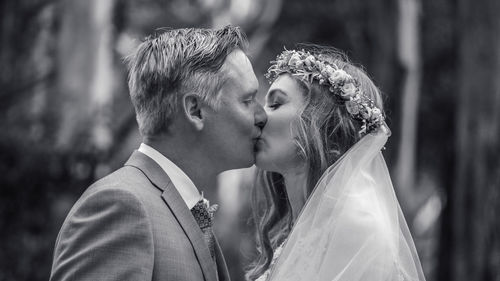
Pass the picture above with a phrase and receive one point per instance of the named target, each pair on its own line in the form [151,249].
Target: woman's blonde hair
[324,131]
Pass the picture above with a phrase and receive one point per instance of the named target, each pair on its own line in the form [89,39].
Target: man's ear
[191,105]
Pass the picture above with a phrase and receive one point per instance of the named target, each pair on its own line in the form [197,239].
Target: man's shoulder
[124,176]
[125,180]
[126,186]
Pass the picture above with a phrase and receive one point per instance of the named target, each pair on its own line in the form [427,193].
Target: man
[194,95]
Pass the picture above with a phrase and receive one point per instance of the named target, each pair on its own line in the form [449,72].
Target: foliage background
[66,119]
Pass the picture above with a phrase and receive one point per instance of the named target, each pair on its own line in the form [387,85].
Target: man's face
[234,127]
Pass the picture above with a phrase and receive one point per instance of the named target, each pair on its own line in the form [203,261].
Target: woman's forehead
[285,85]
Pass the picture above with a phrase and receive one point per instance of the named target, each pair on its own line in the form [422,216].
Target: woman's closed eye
[275,99]
[274,105]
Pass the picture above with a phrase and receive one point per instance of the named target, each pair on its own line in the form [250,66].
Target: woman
[321,145]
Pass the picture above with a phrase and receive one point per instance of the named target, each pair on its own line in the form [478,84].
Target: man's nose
[260,116]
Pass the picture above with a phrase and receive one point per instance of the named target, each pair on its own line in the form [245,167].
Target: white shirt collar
[180,180]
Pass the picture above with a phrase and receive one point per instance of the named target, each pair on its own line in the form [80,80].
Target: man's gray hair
[166,66]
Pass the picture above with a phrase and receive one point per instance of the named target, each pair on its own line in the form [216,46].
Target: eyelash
[249,99]
[274,106]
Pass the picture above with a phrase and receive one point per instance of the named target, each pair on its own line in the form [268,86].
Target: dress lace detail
[276,254]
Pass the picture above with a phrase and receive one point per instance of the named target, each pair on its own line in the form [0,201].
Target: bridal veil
[352,227]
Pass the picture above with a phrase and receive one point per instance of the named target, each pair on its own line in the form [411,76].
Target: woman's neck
[296,189]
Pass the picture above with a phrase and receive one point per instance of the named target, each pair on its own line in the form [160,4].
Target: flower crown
[307,67]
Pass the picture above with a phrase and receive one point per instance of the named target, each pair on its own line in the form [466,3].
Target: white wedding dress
[352,227]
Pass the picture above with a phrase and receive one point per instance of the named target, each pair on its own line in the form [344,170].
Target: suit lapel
[192,230]
[178,207]
[221,263]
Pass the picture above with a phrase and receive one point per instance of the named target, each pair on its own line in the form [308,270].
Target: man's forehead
[235,58]
[238,67]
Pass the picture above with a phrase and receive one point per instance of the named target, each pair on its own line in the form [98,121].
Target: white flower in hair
[338,76]
[294,60]
[309,62]
[352,107]
[348,90]
[366,113]
[308,67]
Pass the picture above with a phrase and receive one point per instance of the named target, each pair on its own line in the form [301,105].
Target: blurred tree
[48,152]
[29,167]
[410,57]
[474,226]
[435,138]
[85,74]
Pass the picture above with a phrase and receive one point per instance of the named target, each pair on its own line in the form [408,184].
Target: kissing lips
[258,144]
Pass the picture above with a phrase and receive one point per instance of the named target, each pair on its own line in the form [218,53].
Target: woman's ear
[191,105]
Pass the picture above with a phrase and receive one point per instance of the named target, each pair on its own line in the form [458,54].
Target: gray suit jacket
[134,225]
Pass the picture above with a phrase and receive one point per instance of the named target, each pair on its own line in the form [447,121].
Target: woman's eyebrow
[274,92]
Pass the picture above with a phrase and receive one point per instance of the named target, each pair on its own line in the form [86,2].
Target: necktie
[204,215]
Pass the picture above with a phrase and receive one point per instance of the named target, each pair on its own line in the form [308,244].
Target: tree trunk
[475,201]
[409,55]
[85,74]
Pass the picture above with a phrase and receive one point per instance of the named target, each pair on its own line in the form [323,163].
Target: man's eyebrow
[251,93]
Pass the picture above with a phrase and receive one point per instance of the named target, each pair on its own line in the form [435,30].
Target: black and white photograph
[250,140]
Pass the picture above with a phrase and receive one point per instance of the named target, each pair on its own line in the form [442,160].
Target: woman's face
[276,150]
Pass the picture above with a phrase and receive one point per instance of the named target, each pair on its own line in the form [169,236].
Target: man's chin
[244,163]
